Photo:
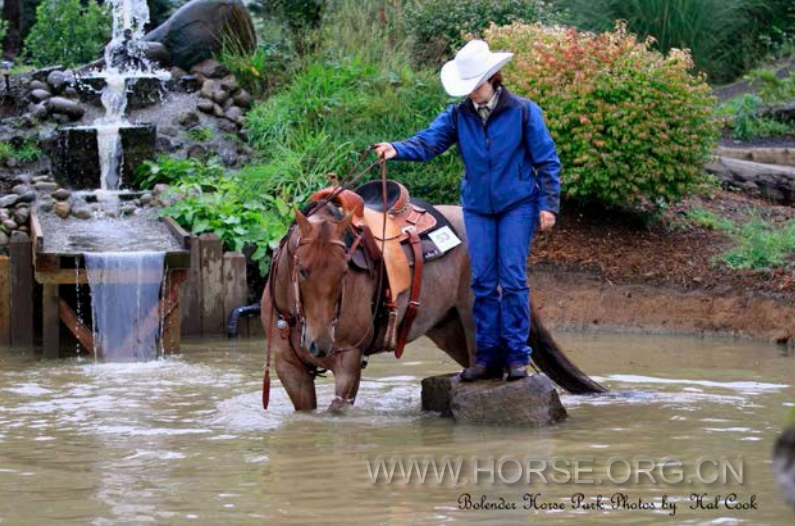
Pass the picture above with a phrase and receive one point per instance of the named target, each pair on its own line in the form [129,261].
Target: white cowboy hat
[472,66]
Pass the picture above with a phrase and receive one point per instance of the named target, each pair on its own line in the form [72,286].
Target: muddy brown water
[185,440]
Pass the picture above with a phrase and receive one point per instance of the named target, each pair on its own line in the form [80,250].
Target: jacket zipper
[488,155]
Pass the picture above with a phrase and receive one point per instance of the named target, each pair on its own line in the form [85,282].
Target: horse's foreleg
[347,375]
[299,384]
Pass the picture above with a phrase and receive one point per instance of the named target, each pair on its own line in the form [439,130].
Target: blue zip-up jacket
[509,159]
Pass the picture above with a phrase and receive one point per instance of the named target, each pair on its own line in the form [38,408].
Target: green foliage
[25,152]
[724,36]
[761,245]
[261,71]
[709,220]
[747,124]
[630,124]
[68,33]
[200,134]
[206,199]
[3,27]
[301,17]
[438,26]
[771,88]
[333,110]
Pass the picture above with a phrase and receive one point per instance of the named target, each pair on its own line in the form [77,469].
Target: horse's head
[319,268]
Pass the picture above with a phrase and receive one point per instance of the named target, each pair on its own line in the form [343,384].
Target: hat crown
[472,59]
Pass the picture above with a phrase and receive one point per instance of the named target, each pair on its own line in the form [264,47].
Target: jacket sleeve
[544,158]
[430,142]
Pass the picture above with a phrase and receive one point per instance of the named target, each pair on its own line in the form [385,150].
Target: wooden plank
[21,250]
[191,294]
[234,281]
[211,254]
[151,322]
[83,334]
[5,300]
[72,276]
[179,233]
[51,322]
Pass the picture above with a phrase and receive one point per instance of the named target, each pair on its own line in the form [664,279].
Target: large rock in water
[196,32]
[532,401]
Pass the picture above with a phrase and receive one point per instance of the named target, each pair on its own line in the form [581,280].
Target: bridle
[297,317]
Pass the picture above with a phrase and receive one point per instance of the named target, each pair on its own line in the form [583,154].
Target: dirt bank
[627,271]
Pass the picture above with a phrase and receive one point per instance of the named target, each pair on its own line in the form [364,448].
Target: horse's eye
[303,273]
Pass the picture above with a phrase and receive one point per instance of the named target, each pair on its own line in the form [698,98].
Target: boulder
[8,200]
[21,215]
[206,106]
[57,80]
[63,209]
[62,194]
[531,402]
[234,114]
[27,197]
[194,33]
[66,107]
[37,84]
[82,212]
[40,95]
[20,189]
[210,69]
[3,239]
[46,186]
[9,225]
[243,99]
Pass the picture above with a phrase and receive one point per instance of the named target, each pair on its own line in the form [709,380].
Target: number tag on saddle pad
[444,239]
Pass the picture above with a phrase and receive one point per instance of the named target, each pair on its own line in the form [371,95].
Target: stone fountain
[132,262]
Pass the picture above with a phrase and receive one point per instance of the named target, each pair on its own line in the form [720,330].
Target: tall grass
[716,31]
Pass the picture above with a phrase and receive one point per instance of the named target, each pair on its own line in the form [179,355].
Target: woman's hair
[496,80]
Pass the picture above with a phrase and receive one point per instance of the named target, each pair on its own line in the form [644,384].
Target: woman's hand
[384,150]
[546,220]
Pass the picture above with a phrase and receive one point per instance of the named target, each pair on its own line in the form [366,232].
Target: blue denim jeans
[499,246]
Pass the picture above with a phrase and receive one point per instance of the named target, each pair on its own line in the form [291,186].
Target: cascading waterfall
[125,292]
[124,59]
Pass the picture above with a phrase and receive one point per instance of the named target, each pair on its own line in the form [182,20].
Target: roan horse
[337,324]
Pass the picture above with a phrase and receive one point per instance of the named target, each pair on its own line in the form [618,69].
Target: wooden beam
[83,334]
[5,300]
[171,324]
[179,233]
[211,253]
[234,282]
[162,310]
[21,250]
[35,232]
[51,322]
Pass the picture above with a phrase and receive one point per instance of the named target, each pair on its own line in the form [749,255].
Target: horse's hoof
[338,406]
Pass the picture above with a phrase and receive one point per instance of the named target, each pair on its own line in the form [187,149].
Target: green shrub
[200,134]
[629,123]
[747,124]
[438,26]
[3,26]
[68,33]
[771,88]
[302,18]
[331,111]
[721,34]
[761,245]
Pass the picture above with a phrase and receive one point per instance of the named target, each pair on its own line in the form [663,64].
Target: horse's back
[455,215]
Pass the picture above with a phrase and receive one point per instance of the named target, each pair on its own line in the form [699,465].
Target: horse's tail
[549,357]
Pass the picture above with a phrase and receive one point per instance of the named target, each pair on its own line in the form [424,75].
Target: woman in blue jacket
[511,185]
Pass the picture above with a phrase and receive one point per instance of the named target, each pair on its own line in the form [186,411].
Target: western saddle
[403,222]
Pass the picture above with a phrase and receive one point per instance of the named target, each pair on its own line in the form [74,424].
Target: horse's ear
[343,225]
[303,223]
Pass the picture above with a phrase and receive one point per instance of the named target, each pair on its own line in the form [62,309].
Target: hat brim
[457,86]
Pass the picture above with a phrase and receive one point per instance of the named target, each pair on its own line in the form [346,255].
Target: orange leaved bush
[629,123]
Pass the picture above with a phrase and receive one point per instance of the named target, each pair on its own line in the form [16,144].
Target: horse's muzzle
[321,347]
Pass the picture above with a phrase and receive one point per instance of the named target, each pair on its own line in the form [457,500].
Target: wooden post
[5,300]
[51,322]
[234,280]
[190,294]
[21,251]
[171,323]
[211,254]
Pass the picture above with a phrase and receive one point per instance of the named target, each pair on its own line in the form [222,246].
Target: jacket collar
[506,99]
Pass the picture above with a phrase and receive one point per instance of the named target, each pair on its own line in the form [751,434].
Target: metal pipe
[234,317]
